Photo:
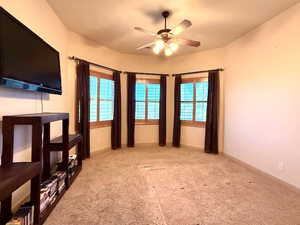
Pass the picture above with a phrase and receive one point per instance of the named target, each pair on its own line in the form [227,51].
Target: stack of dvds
[44,199]
[73,163]
[49,189]
[61,177]
[24,215]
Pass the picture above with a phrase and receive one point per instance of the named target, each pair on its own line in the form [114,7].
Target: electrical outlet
[281,166]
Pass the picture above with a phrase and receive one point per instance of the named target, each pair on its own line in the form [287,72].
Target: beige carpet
[167,186]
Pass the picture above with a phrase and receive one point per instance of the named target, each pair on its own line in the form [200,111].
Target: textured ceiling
[215,22]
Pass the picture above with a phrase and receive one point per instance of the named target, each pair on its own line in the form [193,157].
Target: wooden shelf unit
[12,177]
[64,145]
[57,143]
[15,175]
[41,146]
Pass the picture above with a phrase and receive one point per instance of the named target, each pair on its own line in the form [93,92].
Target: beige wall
[260,89]
[68,43]
[205,60]
[91,51]
[83,48]
[262,95]
[100,137]
[15,101]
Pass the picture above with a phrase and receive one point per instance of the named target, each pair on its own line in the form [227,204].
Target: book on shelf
[29,206]
[23,216]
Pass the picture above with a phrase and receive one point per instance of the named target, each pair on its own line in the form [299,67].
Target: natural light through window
[147,100]
[101,98]
[193,101]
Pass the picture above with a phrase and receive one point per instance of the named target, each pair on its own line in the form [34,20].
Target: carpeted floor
[167,186]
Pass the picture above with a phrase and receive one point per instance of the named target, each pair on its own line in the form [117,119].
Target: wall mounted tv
[26,61]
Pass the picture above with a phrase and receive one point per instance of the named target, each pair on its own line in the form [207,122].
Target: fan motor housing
[163,31]
[165,14]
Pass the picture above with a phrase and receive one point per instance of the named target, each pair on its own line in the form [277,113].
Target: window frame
[147,121]
[193,123]
[99,75]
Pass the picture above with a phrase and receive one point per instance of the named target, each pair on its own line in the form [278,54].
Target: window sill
[100,124]
[146,122]
[193,124]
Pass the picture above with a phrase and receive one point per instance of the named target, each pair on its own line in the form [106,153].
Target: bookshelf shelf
[13,175]
[57,143]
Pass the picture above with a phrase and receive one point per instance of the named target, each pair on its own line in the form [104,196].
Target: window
[101,99]
[147,95]
[193,101]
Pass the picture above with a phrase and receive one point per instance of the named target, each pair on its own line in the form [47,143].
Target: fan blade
[188,42]
[181,27]
[145,31]
[146,46]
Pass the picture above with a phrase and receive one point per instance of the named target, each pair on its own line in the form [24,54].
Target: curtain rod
[201,71]
[153,74]
[94,64]
[111,69]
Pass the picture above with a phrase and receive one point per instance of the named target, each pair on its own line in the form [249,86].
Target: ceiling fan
[166,39]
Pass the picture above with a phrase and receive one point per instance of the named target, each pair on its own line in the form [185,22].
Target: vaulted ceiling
[215,22]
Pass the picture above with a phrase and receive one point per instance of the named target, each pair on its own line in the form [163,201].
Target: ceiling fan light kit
[166,39]
[173,46]
[158,46]
[168,51]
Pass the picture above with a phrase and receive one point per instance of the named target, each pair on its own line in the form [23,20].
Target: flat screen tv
[26,61]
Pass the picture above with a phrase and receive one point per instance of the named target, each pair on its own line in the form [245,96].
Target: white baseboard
[201,148]
[262,173]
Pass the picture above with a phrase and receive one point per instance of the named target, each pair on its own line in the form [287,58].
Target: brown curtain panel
[131,79]
[177,122]
[83,105]
[116,123]
[162,111]
[211,129]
